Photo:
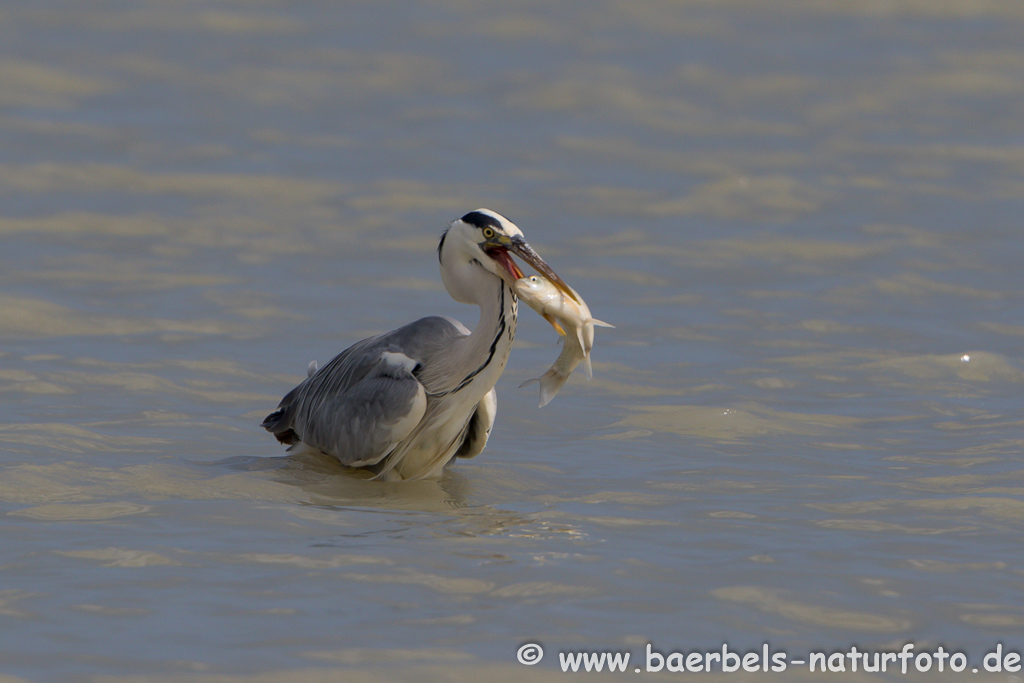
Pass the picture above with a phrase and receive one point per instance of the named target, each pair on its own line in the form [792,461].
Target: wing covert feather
[366,399]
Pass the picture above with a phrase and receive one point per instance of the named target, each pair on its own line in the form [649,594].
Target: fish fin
[529,382]
[587,368]
[599,323]
[554,323]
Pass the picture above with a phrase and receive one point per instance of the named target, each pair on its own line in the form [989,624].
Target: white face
[482,243]
[474,244]
[484,236]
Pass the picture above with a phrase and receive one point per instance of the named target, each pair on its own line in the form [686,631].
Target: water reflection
[324,490]
[321,480]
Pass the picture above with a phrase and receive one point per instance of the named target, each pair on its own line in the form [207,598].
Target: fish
[560,310]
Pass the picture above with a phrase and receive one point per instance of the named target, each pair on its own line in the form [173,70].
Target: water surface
[802,217]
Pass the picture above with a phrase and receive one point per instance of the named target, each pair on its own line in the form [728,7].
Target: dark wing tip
[272,423]
[288,438]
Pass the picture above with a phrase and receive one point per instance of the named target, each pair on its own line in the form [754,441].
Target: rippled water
[804,219]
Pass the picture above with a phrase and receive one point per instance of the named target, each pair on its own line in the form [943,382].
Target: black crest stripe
[480,219]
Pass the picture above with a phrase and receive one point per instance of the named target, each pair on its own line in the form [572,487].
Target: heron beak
[509,270]
[519,247]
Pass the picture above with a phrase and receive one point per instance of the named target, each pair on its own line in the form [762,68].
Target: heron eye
[488,233]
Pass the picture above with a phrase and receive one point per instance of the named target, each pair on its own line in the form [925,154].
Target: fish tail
[599,323]
[550,383]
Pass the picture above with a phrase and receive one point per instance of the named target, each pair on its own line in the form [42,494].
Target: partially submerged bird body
[560,310]
[404,403]
[380,400]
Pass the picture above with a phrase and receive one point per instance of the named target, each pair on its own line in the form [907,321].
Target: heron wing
[362,425]
[368,398]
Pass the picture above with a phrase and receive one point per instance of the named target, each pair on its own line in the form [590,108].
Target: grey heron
[404,403]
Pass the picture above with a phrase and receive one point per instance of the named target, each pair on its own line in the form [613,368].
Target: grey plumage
[350,407]
[405,402]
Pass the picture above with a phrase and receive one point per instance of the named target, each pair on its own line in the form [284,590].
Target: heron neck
[487,348]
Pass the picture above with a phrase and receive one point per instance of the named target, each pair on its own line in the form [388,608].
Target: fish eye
[488,233]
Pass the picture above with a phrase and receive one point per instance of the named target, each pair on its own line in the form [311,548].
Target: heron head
[489,238]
